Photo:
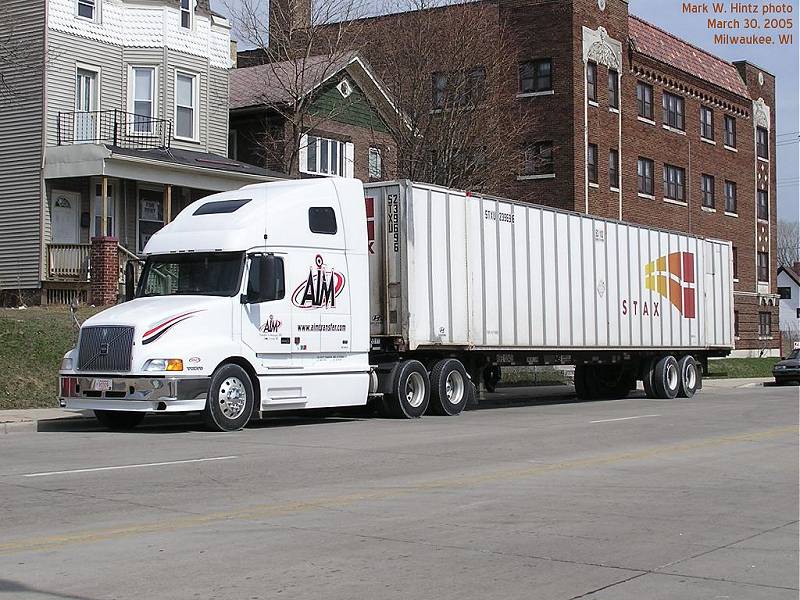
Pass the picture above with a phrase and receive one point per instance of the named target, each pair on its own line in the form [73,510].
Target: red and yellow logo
[672,276]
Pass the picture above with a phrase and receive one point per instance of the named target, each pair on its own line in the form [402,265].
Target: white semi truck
[326,293]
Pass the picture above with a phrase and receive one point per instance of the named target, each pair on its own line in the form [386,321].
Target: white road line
[624,418]
[157,464]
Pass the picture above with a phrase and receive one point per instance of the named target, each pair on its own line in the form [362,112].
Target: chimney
[286,17]
[796,267]
[234,54]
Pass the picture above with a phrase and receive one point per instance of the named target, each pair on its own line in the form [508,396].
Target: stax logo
[320,289]
[272,325]
[671,276]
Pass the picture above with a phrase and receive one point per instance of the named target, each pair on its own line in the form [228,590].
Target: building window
[673,183]
[143,98]
[673,111]
[730,131]
[785,292]
[644,175]
[591,81]
[735,259]
[707,186]
[730,197]
[185,106]
[186,14]
[536,76]
[86,9]
[375,163]
[644,100]
[764,324]
[762,143]
[591,161]
[763,205]
[613,88]
[151,214]
[439,89]
[321,156]
[762,263]
[538,159]
[613,168]
[736,323]
[86,103]
[706,123]
[474,86]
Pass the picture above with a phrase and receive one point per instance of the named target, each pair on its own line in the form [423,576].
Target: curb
[82,423]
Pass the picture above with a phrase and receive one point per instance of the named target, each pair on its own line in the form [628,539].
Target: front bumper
[136,394]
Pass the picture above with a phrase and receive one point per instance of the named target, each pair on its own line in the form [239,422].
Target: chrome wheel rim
[454,387]
[691,376]
[232,398]
[415,390]
[672,377]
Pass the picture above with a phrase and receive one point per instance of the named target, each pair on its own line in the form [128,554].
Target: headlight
[66,364]
[164,364]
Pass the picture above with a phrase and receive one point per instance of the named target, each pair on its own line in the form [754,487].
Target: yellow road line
[286,508]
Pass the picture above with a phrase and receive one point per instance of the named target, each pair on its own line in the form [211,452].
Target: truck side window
[322,219]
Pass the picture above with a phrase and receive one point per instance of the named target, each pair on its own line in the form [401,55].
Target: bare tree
[452,71]
[788,243]
[299,48]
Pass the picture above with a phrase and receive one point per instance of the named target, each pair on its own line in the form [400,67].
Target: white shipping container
[452,269]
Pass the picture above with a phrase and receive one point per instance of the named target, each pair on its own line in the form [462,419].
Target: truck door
[266,317]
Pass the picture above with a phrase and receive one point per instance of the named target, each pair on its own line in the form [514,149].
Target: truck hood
[146,314]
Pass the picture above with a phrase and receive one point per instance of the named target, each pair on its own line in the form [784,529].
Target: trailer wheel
[666,378]
[230,399]
[689,377]
[582,389]
[491,377]
[119,420]
[450,387]
[648,374]
[410,391]
[610,382]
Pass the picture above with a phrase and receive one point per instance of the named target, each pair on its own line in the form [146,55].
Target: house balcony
[114,128]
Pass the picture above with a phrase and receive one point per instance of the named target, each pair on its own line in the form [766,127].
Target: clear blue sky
[781,61]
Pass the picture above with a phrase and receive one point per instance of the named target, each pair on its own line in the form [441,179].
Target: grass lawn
[741,367]
[32,343]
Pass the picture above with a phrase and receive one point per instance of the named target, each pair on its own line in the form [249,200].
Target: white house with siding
[789,292]
[122,100]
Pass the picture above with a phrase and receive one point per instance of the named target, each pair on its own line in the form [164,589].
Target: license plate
[101,385]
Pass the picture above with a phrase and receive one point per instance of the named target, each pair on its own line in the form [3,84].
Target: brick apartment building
[630,122]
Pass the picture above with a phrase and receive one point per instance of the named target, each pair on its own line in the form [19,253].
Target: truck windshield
[204,274]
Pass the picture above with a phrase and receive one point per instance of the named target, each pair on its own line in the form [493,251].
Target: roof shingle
[665,47]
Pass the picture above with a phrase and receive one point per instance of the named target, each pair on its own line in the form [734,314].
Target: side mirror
[130,284]
[264,279]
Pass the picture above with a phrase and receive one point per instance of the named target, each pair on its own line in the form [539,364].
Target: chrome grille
[105,348]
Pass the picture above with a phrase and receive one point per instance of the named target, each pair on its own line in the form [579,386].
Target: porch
[124,196]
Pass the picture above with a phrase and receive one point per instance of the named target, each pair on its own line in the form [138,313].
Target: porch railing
[125,257]
[68,262]
[114,127]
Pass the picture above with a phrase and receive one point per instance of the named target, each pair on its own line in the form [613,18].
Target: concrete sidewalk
[50,419]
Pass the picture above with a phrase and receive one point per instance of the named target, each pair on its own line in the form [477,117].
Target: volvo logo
[104,349]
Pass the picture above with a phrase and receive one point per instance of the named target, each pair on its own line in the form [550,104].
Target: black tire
[689,377]
[410,392]
[610,382]
[451,388]
[119,420]
[666,378]
[491,377]
[582,388]
[648,373]
[225,409]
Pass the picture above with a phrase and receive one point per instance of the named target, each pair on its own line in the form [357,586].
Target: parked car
[788,369]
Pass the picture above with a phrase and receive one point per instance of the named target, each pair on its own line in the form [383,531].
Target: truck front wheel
[119,420]
[230,399]
[450,387]
[410,391]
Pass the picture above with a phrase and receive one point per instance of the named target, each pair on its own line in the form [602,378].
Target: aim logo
[673,276]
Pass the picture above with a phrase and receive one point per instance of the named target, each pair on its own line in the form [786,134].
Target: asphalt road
[545,498]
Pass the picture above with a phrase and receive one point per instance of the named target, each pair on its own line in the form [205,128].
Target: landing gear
[602,382]
[491,377]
